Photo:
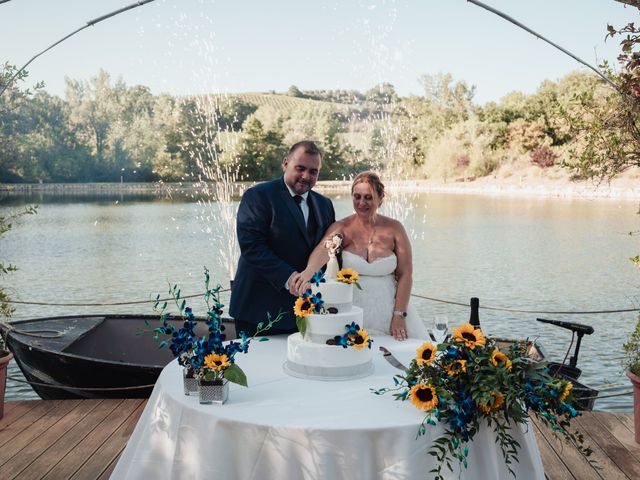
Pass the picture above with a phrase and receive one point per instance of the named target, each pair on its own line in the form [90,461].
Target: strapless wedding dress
[378,294]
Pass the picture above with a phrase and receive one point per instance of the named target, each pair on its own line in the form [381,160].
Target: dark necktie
[298,199]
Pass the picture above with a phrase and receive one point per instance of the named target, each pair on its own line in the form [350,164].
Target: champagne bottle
[474,317]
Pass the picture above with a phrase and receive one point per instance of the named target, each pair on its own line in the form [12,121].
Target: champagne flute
[440,328]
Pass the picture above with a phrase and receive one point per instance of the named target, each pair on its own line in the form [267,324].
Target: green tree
[120,127]
[295,92]
[451,101]
[605,121]
[382,94]
[260,153]
[231,113]
[50,149]
[14,122]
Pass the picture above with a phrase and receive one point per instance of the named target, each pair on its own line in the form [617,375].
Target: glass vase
[215,392]
[190,382]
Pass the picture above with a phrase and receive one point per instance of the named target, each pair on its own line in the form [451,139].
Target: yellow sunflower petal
[566,391]
[426,353]
[302,307]
[423,396]
[498,401]
[499,359]
[362,340]
[216,362]
[470,336]
[456,367]
[347,275]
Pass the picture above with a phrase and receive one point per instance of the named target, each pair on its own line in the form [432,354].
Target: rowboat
[91,356]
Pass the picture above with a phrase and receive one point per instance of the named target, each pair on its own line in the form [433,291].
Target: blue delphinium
[318,278]
[353,337]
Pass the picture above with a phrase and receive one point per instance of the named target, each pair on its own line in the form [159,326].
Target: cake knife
[388,356]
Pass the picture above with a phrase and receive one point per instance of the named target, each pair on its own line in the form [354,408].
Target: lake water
[530,253]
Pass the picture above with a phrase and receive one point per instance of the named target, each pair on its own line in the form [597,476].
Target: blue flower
[318,303]
[318,278]
[452,353]
[568,408]
[341,341]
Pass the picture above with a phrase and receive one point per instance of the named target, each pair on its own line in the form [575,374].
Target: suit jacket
[273,243]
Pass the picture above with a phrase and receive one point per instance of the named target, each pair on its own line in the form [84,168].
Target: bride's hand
[398,327]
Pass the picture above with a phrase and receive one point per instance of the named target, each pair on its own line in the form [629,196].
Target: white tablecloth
[288,428]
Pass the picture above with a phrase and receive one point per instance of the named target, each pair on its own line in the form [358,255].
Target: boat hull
[98,356]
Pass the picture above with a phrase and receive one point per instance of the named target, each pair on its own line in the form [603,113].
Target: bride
[378,248]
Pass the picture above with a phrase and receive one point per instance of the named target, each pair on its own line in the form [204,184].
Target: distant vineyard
[279,102]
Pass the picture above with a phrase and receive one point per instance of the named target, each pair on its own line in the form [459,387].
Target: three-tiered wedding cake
[319,354]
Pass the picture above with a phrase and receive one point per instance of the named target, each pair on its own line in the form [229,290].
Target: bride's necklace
[373,234]
[370,241]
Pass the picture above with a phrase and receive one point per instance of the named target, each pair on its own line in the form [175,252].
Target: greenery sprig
[632,351]
[6,224]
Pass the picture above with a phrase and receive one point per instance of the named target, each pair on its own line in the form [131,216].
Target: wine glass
[440,328]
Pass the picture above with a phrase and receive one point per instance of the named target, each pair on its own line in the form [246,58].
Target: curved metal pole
[536,34]
[90,23]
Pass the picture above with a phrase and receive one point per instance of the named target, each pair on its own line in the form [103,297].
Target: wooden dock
[82,439]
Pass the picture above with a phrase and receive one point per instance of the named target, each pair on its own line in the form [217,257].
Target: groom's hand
[292,284]
[297,284]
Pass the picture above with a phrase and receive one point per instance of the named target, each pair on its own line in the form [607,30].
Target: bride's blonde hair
[372,179]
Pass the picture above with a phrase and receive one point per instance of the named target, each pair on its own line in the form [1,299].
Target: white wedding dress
[378,294]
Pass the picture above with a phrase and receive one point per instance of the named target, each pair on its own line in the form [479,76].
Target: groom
[278,225]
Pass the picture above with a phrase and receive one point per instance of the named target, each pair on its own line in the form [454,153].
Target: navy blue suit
[274,242]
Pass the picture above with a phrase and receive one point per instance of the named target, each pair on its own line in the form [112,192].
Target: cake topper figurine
[334,246]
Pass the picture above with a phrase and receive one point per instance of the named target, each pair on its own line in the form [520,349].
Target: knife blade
[388,356]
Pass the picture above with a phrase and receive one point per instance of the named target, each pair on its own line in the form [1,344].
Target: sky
[187,47]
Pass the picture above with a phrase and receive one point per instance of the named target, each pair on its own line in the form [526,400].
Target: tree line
[106,131]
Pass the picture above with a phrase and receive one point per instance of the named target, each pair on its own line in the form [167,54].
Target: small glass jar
[216,391]
[190,382]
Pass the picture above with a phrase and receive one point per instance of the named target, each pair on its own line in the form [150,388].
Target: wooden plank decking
[82,439]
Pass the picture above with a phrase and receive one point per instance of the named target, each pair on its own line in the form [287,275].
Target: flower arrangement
[354,337]
[207,357]
[468,380]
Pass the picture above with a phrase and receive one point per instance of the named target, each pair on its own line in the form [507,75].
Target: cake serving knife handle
[388,356]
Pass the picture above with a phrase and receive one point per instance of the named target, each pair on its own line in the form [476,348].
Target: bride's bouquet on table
[468,380]
[208,361]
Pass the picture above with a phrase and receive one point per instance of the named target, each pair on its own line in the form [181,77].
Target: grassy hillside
[279,102]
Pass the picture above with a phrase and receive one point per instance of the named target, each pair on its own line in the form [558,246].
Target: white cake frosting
[311,357]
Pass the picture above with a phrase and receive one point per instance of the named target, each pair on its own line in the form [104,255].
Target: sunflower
[455,368]
[566,391]
[216,362]
[426,353]
[498,400]
[423,396]
[499,359]
[346,275]
[471,337]
[361,340]
[303,307]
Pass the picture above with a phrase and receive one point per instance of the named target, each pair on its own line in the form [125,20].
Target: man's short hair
[308,146]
